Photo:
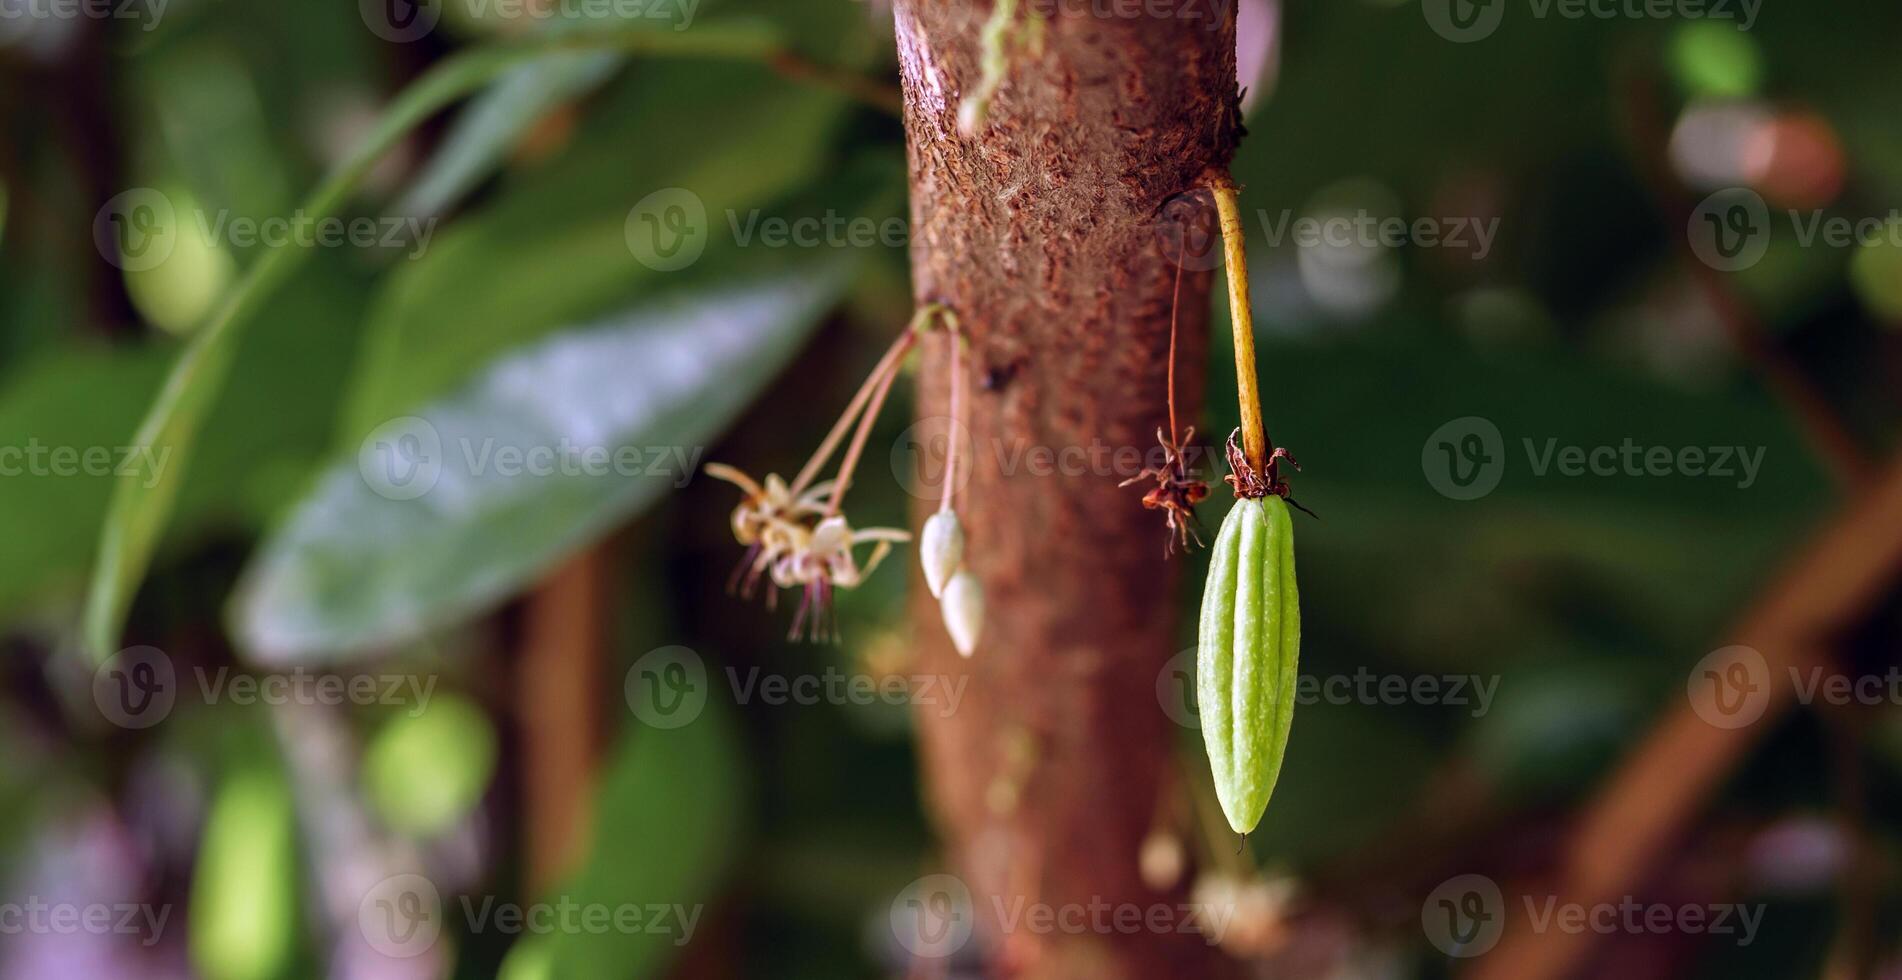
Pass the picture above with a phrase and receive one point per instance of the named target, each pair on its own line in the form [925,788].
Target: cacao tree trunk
[1043,230]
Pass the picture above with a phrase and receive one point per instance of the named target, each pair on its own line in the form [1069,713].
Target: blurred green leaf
[64,399]
[269,427]
[356,567]
[176,294]
[494,120]
[139,511]
[1714,60]
[554,248]
[426,771]
[244,892]
[664,823]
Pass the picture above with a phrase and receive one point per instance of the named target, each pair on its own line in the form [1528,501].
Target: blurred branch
[852,85]
[558,673]
[1854,954]
[1659,789]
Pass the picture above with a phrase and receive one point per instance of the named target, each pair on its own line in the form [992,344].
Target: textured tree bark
[1045,232]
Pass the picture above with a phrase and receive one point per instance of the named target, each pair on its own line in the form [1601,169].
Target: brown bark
[1041,231]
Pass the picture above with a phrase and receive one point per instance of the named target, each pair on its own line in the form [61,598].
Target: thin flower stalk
[797,534]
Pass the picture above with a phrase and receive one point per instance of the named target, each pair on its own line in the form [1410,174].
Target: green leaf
[494,120]
[426,769]
[244,898]
[78,399]
[269,429]
[356,567]
[553,250]
[139,512]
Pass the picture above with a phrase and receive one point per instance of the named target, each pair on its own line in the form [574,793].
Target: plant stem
[886,364]
[851,460]
[1242,323]
[957,417]
[1175,307]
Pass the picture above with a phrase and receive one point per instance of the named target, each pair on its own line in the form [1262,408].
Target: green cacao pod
[1249,650]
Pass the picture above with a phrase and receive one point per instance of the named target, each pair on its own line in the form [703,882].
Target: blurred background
[1583,325]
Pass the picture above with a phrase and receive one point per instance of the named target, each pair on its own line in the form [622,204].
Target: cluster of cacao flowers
[797,536]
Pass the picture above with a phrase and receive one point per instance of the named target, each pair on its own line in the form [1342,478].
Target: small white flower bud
[963,607]
[1162,860]
[941,549]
